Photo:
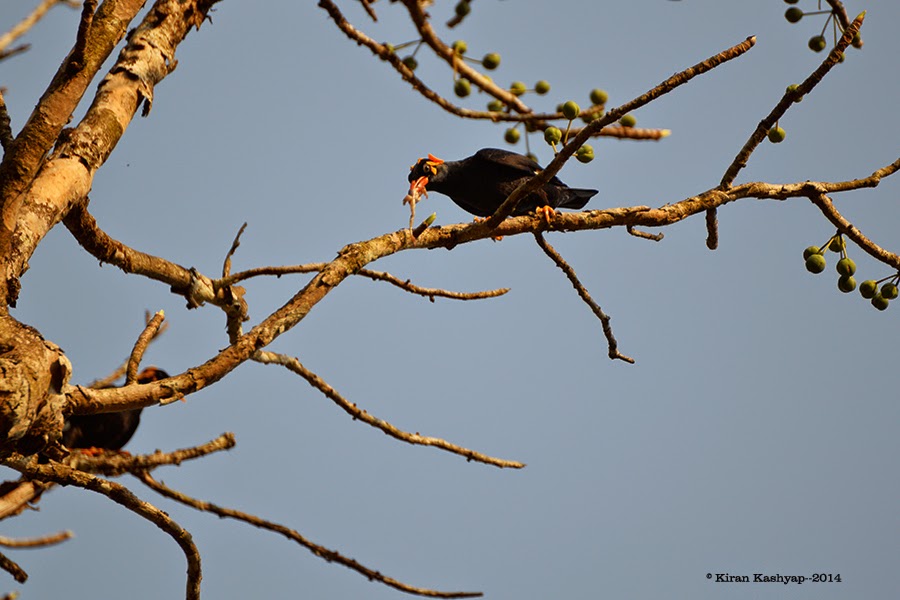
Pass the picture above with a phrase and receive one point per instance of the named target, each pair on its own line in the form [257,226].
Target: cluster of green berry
[846,268]
[817,43]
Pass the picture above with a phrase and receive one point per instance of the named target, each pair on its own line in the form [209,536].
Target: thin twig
[656,237]
[712,229]
[110,379]
[825,204]
[65,475]
[11,567]
[291,534]
[27,23]
[427,292]
[140,346]
[583,293]
[787,100]
[226,268]
[50,539]
[116,463]
[367,6]
[294,365]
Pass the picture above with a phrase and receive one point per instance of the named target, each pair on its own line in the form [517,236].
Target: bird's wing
[510,160]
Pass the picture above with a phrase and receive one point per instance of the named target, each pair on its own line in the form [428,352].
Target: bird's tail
[577,198]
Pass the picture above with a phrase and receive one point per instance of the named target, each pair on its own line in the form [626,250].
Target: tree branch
[294,365]
[64,475]
[585,296]
[787,100]
[320,551]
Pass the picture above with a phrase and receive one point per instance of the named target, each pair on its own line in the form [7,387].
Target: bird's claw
[547,212]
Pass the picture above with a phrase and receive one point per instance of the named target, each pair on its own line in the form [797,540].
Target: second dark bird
[107,431]
[480,183]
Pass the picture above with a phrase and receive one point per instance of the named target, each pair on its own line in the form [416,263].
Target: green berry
[599,96]
[889,291]
[815,263]
[491,61]
[792,89]
[793,14]
[411,63]
[880,302]
[495,106]
[532,156]
[463,8]
[462,88]
[517,88]
[837,244]
[868,288]
[810,251]
[776,135]
[628,121]
[512,135]
[846,266]
[460,46]
[857,41]
[847,284]
[552,135]
[570,110]
[817,43]
[542,87]
[585,154]
[587,117]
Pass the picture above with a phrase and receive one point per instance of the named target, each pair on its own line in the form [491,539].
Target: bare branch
[50,539]
[140,346]
[320,551]
[429,293]
[584,295]
[11,567]
[6,134]
[317,382]
[787,100]
[119,371]
[825,204]
[27,23]
[84,27]
[712,229]
[64,475]
[656,237]
[17,494]
[115,463]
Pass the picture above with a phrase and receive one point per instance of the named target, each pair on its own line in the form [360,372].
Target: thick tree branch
[26,154]
[66,177]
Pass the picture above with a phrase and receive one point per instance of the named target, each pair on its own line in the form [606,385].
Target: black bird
[480,183]
[107,431]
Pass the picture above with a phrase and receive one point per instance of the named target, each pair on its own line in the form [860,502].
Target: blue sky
[755,434]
